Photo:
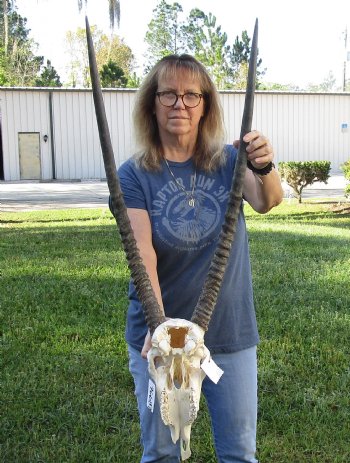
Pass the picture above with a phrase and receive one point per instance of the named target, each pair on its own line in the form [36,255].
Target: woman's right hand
[146,345]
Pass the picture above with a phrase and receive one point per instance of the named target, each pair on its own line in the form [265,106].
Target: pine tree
[164,35]
[48,77]
[112,76]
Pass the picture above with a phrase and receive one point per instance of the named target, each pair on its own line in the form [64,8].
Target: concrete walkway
[34,195]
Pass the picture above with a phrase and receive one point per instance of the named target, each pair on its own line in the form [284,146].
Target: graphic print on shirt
[182,226]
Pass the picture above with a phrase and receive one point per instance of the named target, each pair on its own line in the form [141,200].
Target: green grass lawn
[65,391]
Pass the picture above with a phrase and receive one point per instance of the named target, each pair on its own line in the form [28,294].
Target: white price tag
[211,369]
[151,395]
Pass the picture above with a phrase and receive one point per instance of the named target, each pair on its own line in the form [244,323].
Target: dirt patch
[343,208]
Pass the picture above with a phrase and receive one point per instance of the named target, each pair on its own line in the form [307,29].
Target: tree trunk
[6,25]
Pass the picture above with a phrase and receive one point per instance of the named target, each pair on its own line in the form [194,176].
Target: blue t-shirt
[185,239]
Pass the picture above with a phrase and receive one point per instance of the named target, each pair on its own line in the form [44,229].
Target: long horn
[153,313]
[208,297]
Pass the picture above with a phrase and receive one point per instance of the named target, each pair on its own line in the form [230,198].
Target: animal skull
[174,363]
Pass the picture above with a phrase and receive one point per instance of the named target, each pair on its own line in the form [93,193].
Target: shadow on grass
[325,219]
[58,221]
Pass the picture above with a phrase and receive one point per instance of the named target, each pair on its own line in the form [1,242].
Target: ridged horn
[154,315]
[208,297]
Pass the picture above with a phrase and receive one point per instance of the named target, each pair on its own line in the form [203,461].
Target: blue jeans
[232,405]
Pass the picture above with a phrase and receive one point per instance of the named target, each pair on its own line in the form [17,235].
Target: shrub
[346,169]
[298,175]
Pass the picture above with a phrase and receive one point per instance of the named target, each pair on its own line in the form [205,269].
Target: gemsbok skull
[178,355]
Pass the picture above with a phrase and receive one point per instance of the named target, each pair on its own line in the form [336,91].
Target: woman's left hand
[259,149]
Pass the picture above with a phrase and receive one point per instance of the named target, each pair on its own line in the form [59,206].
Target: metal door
[29,155]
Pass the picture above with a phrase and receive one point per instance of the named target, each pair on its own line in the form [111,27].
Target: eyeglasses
[189,99]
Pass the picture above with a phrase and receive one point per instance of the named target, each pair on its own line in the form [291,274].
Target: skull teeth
[165,409]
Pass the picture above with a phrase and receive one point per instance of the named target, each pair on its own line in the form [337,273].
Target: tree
[208,44]
[328,85]
[239,77]
[134,81]
[205,39]
[239,58]
[199,35]
[112,76]
[8,5]
[114,10]
[24,65]
[20,66]
[3,68]
[5,7]
[19,63]
[114,49]
[164,35]
[7,10]
[273,86]
[298,175]
[107,49]
[48,77]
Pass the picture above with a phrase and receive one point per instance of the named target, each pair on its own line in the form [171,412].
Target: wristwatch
[264,171]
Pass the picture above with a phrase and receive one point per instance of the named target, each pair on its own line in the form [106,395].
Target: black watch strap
[264,171]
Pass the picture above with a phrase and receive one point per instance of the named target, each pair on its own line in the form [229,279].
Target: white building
[52,133]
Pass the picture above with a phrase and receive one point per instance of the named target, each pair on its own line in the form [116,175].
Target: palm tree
[114,10]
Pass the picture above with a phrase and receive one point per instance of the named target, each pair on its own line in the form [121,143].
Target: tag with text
[151,395]
[211,369]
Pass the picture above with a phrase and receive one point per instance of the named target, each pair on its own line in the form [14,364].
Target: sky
[300,41]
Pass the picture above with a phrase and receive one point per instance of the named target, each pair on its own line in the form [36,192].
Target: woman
[176,192]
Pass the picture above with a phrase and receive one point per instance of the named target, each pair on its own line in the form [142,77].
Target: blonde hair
[210,140]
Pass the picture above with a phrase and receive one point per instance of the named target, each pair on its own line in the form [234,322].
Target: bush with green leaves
[346,169]
[298,175]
